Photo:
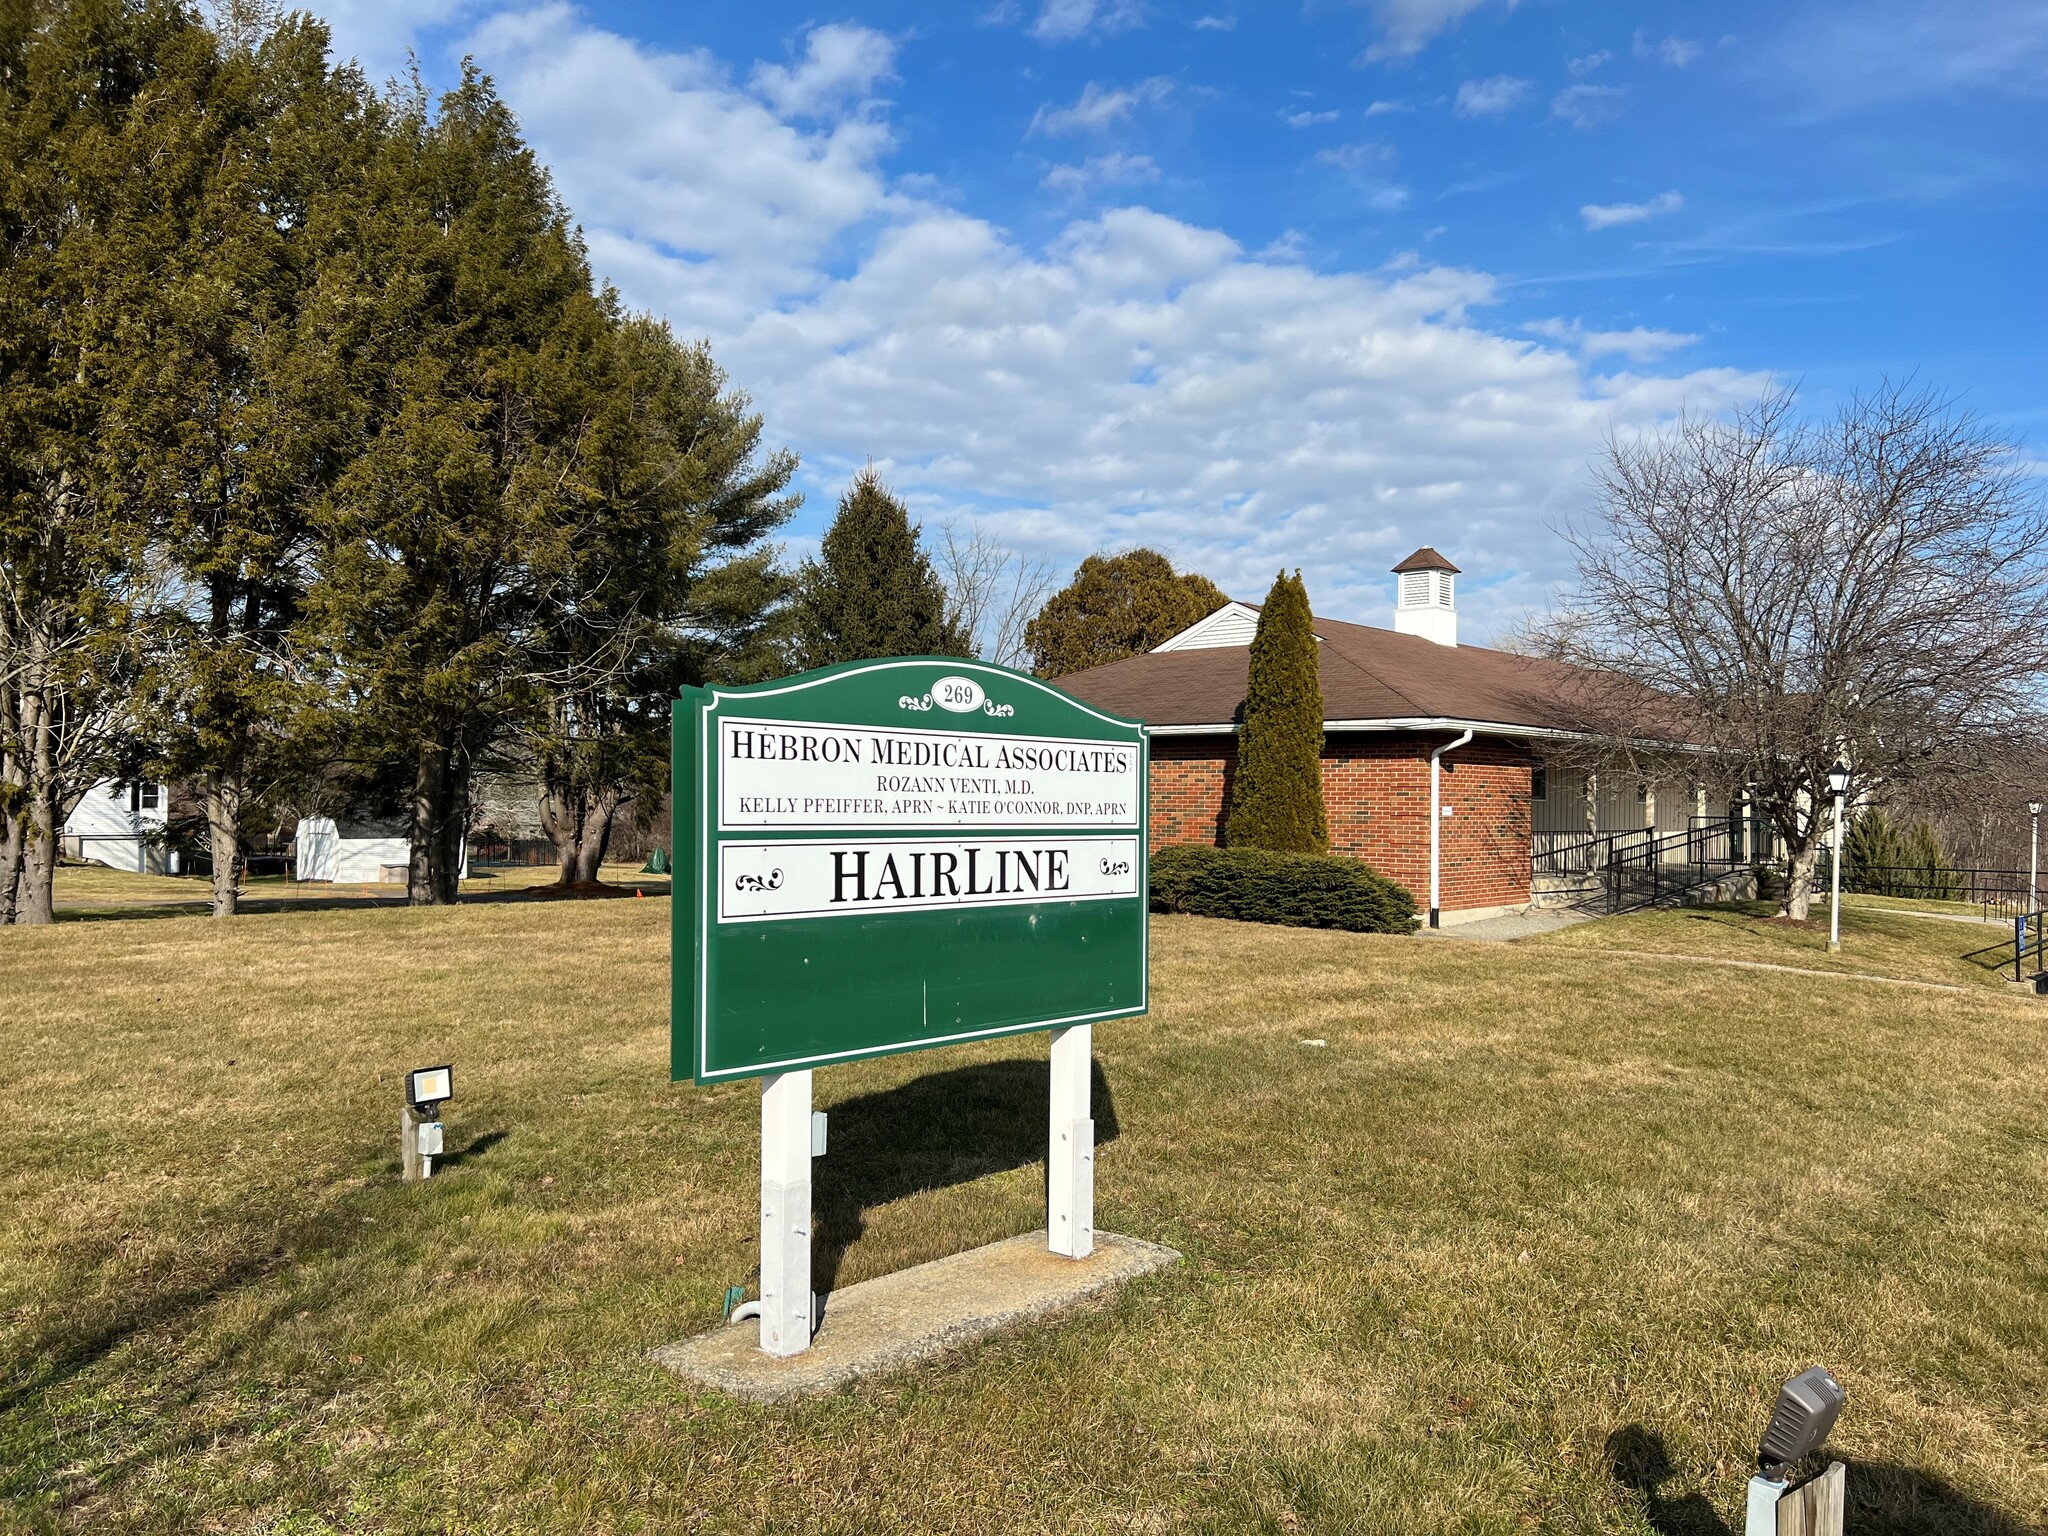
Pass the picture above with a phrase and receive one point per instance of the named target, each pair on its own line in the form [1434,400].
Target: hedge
[1301,890]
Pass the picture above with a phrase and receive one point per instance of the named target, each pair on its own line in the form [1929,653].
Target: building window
[152,796]
[1539,783]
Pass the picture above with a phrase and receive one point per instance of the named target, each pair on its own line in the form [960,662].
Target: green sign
[889,855]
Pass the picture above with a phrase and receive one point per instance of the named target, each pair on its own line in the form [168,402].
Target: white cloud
[1060,20]
[1835,61]
[1639,344]
[1099,106]
[1371,168]
[1215,23]
[1113,170]
[1587,106]
[379,34]
[841,63]
[1137,379]
[1586,63]
[1607,215]
[1407,26]
[1380,108]
[1309,119]
[1495,96]
[1674,51]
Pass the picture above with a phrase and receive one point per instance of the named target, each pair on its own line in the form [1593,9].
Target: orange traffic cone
[642,895]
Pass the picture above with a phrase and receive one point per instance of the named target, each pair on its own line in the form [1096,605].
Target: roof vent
[1425,597]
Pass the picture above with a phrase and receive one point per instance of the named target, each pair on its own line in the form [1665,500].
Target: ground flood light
[1801,1421]
[420,1135]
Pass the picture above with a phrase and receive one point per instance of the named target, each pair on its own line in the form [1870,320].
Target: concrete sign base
[897,1320]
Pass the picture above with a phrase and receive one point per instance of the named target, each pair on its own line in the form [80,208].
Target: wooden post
[1816,1507]
[1070,1155]
[788,1313]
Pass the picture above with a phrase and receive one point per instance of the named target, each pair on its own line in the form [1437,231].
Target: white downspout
[1436,819]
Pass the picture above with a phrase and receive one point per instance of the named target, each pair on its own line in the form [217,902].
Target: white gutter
[1448,723]
[1436,820]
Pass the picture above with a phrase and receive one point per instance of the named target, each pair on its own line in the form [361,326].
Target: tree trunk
[225,793]
[36,901]
[561,817]
[439,818]
[1799,888]
[600,809]
[13,848]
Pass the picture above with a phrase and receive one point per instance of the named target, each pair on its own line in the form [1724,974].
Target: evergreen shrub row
[1300,890]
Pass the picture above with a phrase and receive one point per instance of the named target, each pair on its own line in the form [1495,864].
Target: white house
[121,826]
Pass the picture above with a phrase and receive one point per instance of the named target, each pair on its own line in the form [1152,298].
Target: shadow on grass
[942,1129]
[474,1148]
[1884,1499]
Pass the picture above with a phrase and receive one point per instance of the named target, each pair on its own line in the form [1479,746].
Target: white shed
[352,853]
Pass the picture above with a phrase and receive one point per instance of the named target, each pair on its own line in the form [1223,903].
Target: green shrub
[1301,890]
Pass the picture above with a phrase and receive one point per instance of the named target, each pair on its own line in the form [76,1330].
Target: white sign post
[788,1310]
[1070,1154]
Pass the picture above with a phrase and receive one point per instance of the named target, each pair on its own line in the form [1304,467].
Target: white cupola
[1425,597]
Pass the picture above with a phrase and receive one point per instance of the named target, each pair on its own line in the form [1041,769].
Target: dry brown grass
[1527,1201]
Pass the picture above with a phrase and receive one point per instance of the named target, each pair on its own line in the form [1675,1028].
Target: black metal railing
[2023,954]
[1641,868]
[2003,893]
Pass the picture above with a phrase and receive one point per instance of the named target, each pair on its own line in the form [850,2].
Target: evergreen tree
[224,415]
[1117,606]
[461,310]
[1932,877]
[872,591]
[82,86]
[1277,800]
[669,585]
[1872,854]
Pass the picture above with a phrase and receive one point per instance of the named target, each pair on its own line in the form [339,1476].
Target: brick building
[1395,702]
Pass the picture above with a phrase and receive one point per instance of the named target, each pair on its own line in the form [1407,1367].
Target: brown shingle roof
[1426,559]
[1368,675]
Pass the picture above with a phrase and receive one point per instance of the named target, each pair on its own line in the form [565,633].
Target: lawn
[1878,941]
[1524,1244]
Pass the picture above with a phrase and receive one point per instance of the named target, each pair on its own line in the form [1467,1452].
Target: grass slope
[1530,1212]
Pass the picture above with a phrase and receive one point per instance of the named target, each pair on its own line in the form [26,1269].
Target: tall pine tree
[225,417]
[872,591]
[468,331]
[1277,800]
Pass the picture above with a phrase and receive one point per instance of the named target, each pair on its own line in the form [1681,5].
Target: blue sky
[1271,285]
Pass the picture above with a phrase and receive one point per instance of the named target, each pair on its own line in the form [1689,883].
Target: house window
[152,796]
[1539,783]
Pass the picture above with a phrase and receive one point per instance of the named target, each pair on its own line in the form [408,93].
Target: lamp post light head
[1802,1418]
[1838,779]
[2033,807]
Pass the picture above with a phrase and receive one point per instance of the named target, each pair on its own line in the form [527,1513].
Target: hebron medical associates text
[776,774]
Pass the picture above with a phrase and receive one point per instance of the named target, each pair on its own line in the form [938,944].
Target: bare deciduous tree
[992,592]
[1868,588]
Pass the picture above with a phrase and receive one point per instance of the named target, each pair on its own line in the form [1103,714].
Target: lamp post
[2034,857]
[1838,781]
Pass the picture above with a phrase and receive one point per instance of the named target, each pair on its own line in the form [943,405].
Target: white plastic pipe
[1436,819]
[1835,875]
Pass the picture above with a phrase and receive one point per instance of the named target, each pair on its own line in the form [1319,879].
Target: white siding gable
[1233,624]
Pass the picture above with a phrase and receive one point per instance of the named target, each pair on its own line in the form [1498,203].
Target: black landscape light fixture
[1801,1421]
[420,1137]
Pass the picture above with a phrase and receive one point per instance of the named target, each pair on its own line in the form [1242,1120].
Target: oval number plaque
[962,695]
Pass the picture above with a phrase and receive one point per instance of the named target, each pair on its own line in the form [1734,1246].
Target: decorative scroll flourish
[907,702]
[998,710]
[772,881]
